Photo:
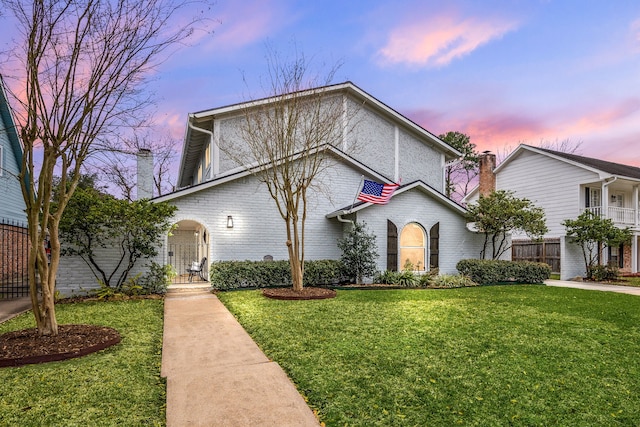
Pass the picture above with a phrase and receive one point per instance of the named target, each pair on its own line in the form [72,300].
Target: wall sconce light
[196,234]
[229,221]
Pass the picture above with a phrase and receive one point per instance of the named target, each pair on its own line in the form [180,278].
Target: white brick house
[225,213]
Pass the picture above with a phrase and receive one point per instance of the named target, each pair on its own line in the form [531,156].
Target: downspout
[205,131]
[347,221]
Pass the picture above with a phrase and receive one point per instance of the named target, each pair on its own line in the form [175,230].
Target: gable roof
[9,126]
[420,185]
[242,172]
[194,143]
[601,165]
[603,168]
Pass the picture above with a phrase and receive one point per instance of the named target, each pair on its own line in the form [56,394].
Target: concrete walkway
[10,308]
[594,286]
[216,375]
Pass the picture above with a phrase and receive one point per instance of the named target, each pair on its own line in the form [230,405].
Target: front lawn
[486,356]
[117,386]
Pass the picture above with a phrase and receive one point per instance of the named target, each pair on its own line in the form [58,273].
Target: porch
[626,217]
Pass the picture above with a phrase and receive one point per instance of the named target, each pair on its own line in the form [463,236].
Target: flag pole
[357,192]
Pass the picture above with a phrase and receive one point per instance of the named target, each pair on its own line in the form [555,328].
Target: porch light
[229,221]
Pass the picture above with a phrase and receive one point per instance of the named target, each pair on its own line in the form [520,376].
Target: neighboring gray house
[565,185]
[225,213]
[12,208]
[13,218]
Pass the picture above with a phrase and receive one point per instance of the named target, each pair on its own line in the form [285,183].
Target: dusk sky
[504,72]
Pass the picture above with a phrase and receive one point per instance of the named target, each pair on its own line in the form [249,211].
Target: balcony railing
[624,216]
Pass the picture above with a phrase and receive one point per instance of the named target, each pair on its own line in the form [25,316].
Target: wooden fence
[547,251]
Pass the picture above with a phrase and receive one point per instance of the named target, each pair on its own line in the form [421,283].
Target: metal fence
[14,253]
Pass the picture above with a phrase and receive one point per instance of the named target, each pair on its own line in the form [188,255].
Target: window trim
[425,247]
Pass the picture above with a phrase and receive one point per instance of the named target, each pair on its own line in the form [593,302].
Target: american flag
[377,193]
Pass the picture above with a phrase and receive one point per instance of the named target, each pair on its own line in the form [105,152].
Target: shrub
[157,279]
[601,273]
[448,281]
[407,279]
[227,275]
[387,277]
[359,253]
[497,271]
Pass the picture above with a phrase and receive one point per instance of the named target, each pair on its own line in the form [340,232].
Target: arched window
[413,247]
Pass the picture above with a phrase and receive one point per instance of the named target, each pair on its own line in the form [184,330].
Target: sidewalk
[594,286]
[10,308]
[216,375]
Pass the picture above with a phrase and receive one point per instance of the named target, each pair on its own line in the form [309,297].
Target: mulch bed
[307,293]
[26,347]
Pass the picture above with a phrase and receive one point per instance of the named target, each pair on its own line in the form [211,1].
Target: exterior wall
[12,206]
[76,278]
[258,228]
[571,260]
[456,242]
[549,183]
[420,161]
[373,142]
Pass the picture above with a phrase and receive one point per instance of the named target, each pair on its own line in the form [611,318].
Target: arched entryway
[188,250]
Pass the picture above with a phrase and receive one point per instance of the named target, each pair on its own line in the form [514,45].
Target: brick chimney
[487,176]
[145,174]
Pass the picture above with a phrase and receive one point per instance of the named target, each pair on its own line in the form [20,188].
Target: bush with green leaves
[359,253]
[487,272]
[604,273]
[228,275]
[386,277]
[450,281]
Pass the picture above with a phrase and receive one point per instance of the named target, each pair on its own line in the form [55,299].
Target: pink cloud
[241,24]
[439,40]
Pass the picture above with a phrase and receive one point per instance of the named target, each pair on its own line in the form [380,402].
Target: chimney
[487,176]
[145,174]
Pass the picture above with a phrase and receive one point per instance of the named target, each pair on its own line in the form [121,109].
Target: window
[413,247]
[615,256]
[593,197]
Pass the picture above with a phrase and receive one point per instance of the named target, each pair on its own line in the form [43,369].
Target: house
[565,185]
[12,207]
[13,219]
[225,213]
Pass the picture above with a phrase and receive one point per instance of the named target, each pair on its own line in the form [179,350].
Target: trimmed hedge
[487,272]
[228,275]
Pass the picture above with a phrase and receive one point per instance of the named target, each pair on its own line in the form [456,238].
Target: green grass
[117,386]
[486,356]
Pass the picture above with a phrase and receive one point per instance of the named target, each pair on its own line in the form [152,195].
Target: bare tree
[84,66]
[563,146]
[284,142]
[118,167]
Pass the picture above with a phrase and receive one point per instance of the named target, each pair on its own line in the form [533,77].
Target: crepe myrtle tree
[284,142]
[79,68]
[594,235]
[501,213]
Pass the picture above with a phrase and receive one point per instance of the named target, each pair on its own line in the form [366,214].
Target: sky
[503,72]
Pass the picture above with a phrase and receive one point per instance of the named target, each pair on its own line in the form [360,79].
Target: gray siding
[12,206]
[550,184]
